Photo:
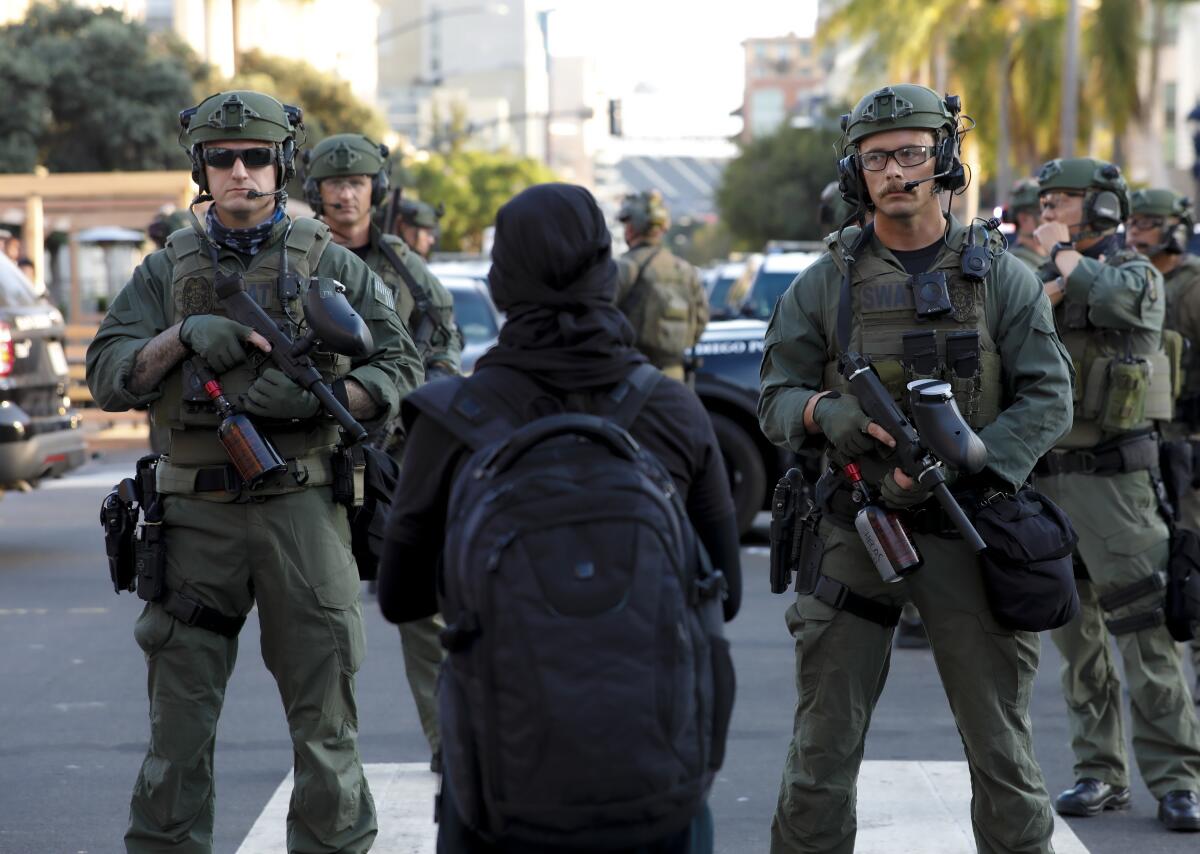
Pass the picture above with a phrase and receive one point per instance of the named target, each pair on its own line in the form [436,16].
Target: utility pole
[1070,90]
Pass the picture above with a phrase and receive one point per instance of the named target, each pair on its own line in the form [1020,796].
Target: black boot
[1090,796]
[1180,810]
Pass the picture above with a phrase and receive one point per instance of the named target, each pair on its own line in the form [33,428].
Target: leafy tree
[771,190]
[88,91]
[472,185]
[329,104]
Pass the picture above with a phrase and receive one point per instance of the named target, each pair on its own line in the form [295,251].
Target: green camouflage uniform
[285,547]
[1112,309]
[1016,402]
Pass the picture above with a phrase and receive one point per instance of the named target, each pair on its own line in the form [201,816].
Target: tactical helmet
[644,211]
[833,210]
[241,114]
[904,106]
[1024,195]
[345,154]
[165,223]
[1106,203]
[419,214]
[1170,206]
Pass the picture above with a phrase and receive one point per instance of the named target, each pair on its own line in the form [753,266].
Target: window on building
[766,111]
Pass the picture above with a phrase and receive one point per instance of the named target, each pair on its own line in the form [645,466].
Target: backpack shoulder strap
[470,414]
[634,296]
[624,402]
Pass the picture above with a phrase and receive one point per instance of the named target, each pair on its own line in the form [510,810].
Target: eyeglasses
[1147,223]
[252,158]
[1053,198]
[909,155]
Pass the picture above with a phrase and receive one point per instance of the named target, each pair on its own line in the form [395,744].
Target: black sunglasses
[252,158]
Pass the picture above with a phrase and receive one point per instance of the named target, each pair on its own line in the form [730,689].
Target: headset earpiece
[196,153]
[850,183]
[1103,210]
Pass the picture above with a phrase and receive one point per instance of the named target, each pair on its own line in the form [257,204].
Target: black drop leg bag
[1027,570]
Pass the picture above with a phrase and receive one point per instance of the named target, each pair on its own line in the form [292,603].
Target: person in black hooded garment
[553,275]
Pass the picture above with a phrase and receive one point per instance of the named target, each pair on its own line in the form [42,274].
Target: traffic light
[614,117]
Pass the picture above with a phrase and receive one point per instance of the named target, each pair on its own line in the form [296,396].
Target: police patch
[196,297]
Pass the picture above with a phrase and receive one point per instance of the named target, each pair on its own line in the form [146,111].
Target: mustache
[898,187]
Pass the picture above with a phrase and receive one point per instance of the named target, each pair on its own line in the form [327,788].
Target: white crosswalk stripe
[904,808]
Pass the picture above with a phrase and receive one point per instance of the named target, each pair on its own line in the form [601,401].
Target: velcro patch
[383,293]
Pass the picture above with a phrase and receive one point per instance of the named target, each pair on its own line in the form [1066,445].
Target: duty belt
[314,469]
[1138,452]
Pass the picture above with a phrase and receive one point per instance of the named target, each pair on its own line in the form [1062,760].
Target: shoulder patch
[383,294]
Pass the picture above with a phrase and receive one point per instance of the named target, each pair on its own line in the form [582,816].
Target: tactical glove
[276,395]
[844,424]
[218,340]
[894,495]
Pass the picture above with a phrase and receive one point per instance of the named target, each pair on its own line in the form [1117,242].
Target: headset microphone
[255,194]
[910,185]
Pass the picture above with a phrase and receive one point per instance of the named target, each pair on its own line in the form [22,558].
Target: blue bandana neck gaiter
[245,240]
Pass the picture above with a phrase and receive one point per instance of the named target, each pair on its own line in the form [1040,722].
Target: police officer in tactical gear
[1160,226]
[345,178]
[660,294]
[285,546]
[417,224]
[1011,380]
[1109,308]
[1023,211]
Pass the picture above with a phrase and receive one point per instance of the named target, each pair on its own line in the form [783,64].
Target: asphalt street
[73,715]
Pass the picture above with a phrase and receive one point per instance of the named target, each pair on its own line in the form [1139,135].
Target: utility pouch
[119,517]
[1028,571]
[920,356]
[349,476]
[1075,314]
[1124,406]
[150,561]
[931,295]
[796,546]
[965,373]
[149,546]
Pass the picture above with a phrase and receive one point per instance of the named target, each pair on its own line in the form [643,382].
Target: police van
[729,355]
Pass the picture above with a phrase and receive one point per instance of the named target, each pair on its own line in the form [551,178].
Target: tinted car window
[768,288]
[474,315]
[15,290]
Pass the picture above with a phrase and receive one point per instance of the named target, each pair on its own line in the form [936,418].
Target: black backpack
[588,687]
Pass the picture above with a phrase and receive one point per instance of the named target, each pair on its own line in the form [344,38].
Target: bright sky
[688,53]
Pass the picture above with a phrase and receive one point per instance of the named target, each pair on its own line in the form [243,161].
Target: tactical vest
[183,407]
[1124,378]
[1179,284]
[659,305]
[955,347]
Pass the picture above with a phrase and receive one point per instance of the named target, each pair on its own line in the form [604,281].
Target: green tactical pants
[289,554]
[422,658]
[841,667]
[1122,540]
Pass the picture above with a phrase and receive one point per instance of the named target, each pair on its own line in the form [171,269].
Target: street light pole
[1070,91]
